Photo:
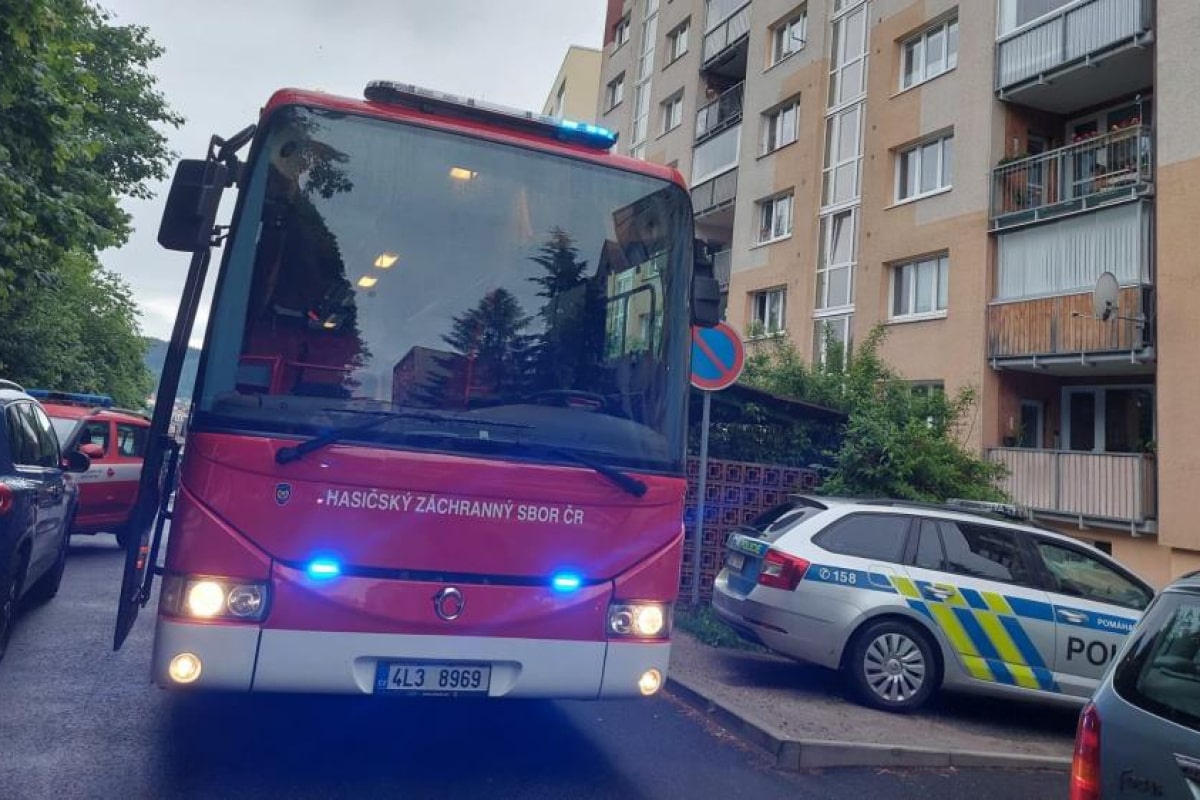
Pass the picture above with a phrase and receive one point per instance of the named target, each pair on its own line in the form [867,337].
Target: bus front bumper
[247,658]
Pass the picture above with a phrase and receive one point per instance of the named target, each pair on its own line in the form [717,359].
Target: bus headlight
[639,620]
[214,598]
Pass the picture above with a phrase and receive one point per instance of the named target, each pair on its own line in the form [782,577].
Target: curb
[801,754]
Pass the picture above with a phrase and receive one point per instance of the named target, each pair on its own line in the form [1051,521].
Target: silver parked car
[906,598]
[1140,735]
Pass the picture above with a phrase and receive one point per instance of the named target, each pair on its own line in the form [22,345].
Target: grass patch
[704,624]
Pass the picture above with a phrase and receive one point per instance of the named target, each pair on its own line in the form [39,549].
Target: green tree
[898,442]
[571,349]
[80,127]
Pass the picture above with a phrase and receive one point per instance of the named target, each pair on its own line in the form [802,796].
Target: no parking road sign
[717,357]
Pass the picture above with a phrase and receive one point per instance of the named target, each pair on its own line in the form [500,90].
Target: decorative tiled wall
[735,493]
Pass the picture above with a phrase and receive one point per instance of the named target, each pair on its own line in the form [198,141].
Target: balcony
[1102,170]
[720,114]
[715,194]
[1103,489]
[1084,53]
[726,45]
[1061,335]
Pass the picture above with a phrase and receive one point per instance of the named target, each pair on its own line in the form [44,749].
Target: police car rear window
[880,537]
[1160,672]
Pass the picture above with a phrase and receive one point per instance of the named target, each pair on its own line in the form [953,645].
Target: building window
[789,36]
[836,259]
[843,156]
[775,218]
[559,100]
[677,41]
[621,31]
[779,126]
[848,58]
[925,168]
[930,53]
[672,112]
[766,312]
[616,91]
[832,338]
[919,288]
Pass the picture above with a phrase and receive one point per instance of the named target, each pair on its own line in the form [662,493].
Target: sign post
[717,361]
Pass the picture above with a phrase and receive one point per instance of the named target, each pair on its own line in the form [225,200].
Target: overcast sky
[224,58]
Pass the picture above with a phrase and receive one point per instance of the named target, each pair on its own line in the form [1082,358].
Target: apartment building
[573,93]
[963,173]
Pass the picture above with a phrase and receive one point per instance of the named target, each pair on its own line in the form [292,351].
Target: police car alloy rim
[894,667]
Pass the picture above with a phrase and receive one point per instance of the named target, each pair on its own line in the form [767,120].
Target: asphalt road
[77,720]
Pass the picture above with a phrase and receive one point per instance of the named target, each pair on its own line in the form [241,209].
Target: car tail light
[781,571]
[6,499]
[1085,766]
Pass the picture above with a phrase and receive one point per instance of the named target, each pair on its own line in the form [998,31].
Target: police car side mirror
[91,450]
[191,210]
[76,461]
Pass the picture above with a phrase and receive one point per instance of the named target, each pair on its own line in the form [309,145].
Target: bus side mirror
[191,209]
[706,290]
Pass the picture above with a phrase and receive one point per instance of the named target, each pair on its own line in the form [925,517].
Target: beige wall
[580,76]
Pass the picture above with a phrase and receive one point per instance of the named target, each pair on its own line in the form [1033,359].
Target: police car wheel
[892,666]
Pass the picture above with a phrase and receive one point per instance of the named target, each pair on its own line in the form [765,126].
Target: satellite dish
[1104,296]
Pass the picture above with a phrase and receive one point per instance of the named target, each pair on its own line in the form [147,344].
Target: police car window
[131,440]
[983,552]
[929,547]
[1160,672]
[1075,573]
[880,537]
[95,433]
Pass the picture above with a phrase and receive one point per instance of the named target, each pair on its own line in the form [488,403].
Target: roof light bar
[72,398]
[431,102]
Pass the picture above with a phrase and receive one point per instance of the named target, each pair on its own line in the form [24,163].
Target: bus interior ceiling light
[428,101]
[462,173]
[566,582]
[323,569]
[367,281]
[386,260]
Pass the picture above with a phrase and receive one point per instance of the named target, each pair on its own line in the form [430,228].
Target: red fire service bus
[437,439]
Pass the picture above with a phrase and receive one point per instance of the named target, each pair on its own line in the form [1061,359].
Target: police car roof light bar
[72,398]
[431,102]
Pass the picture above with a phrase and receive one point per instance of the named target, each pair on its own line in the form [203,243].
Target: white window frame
[773,126]
[622,30]
[833,136]
[793,31]
[944,181]
[772,321]
[826,263]
[841,61]
[677,41]
[767,208]
[941,282]
[920,72]
[672,112]
[843,320]
[615,92]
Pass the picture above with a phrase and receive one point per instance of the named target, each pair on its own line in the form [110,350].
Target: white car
[906,598]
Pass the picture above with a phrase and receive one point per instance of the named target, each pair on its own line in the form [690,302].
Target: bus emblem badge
[449,603]
[283,493]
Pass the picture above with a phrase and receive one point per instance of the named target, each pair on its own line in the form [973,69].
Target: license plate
[413,677]
[735,561]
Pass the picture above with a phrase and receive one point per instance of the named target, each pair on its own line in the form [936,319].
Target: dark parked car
[37,502]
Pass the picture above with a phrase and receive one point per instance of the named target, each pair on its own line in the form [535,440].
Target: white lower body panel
[247,658]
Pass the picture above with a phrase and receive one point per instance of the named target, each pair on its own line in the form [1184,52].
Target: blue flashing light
[72,398]
[322,569]
[566,582]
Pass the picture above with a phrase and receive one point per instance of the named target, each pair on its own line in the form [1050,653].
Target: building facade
[963,173]
[573,93]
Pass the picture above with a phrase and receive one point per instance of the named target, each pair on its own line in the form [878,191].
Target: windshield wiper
[633,485]
[286,455]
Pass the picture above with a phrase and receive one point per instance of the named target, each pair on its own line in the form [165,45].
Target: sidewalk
[801,715]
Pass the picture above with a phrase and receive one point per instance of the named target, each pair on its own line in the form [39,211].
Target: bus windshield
[378,267]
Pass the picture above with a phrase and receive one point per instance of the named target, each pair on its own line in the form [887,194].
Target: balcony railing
[718,115]
[1066,326]
[715,193]
[723,267]
[735,28]
[1110,487]
[1086,174]
[1071,34]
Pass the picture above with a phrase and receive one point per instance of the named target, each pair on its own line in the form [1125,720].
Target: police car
[115,441]
[905,599]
